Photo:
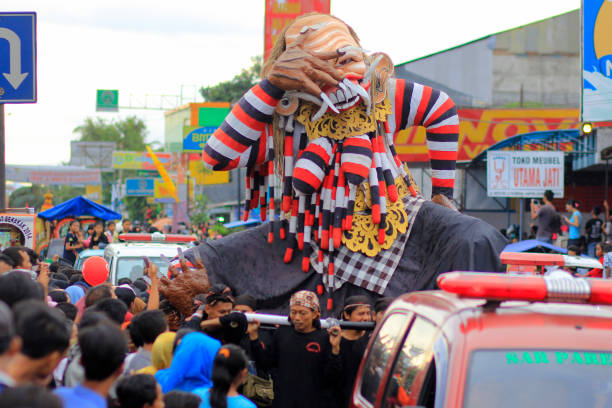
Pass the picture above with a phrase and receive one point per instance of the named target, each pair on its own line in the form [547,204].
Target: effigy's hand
[299,69]
[444,201]
[181,290]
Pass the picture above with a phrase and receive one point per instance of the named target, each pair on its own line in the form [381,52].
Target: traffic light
[586,129]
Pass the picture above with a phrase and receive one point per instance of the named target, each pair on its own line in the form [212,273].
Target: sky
[147,48]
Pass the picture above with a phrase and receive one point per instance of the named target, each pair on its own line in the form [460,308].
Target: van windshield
[539,378]
[133,267]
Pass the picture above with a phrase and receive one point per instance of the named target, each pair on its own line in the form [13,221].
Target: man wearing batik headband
[307,358]
[322,123]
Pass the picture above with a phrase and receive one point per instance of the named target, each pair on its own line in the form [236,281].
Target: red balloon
[95,270]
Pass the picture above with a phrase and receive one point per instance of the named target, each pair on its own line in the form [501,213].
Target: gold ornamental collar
[351,122]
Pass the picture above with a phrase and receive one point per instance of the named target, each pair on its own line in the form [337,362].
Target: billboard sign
[596,60]
[161,193]
[94,193]
[524,174]
[140,187]
[202,175]
[281,13]
[194,138]
[140,160]
[481,128]
[59,175]
[97,155]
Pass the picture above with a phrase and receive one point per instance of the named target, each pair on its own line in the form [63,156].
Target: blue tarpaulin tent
[78,207]
[248,223]
[530,244]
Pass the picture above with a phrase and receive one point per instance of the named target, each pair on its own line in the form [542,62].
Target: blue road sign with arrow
[17,57]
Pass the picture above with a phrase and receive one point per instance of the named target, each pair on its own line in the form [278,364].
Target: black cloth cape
[441,240]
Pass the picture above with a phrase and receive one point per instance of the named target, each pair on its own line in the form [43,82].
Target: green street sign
[107,100]
[147,173]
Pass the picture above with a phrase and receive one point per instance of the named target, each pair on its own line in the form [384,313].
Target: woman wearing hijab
[191,366]
[161,355]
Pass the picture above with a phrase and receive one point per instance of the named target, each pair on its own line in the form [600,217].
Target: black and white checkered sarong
[371,273]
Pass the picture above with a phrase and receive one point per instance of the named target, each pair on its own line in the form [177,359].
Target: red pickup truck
[493,340]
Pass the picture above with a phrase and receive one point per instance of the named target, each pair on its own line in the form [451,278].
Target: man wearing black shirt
[73,244]
[216,319]
[353,345]
[307,358]
[593,229]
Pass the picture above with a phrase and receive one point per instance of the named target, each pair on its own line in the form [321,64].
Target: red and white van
[492,340]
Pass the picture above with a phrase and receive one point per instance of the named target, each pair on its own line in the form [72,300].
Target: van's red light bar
[526,258]
[156,237]
[494,286]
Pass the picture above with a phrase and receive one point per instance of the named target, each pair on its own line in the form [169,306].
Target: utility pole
[2,162]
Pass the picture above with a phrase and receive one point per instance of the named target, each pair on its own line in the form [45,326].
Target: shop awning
[581,149]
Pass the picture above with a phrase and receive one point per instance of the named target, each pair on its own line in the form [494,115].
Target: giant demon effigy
[351,218]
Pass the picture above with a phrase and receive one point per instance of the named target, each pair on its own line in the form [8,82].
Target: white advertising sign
[524,174]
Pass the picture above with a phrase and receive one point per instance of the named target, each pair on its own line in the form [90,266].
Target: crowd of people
[66,343]
[592,238]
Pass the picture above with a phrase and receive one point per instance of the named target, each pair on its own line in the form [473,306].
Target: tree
[233,89]
[129,134]
[136,207]
[27,197]
[199,213]
[33,197]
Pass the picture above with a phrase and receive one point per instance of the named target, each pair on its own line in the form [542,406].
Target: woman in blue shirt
[229,372]
[573,222]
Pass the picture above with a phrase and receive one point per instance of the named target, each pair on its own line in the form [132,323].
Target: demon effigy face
[327,35]
[339,77]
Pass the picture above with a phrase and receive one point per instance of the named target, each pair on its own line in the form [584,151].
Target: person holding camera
[548,219]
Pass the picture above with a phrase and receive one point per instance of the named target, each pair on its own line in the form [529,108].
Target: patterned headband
[305,298]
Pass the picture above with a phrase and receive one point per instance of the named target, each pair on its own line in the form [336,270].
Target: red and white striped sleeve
[241,132]
[420,105]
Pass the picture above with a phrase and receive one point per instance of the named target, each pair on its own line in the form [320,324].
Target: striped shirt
[241,132]
[240,140]
[418,105]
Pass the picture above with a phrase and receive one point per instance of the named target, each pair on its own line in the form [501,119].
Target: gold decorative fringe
[363,235]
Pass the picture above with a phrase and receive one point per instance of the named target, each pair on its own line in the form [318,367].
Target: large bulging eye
[346,61]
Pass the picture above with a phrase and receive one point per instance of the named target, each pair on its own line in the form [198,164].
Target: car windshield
[133,267]
[539,378]
[80,261]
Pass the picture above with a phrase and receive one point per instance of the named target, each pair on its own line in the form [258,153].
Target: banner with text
[203,176]
[53,175]
[481,128]
[524,174]
[140,160]
[596,60]
[17,228]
